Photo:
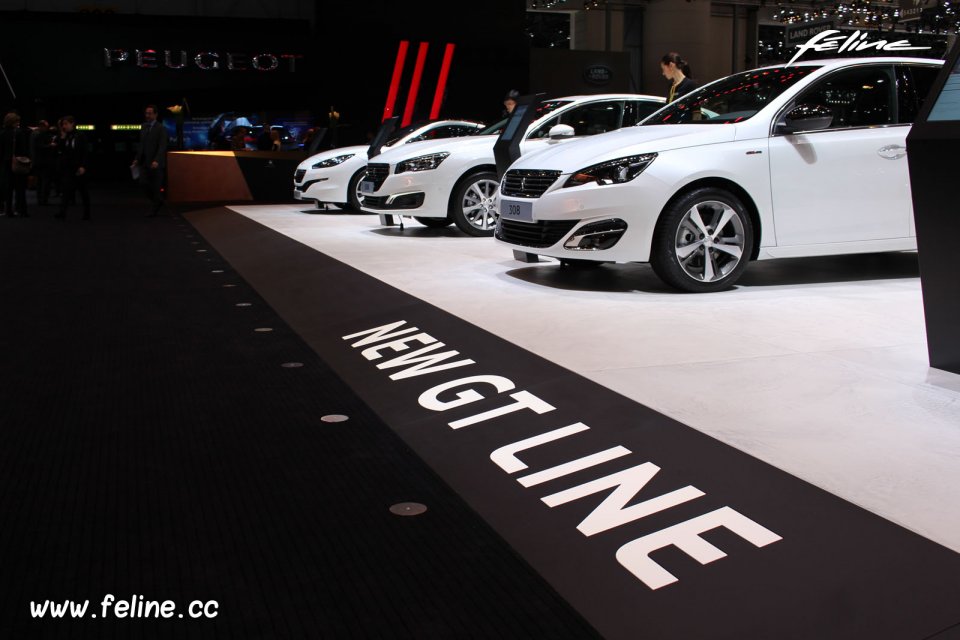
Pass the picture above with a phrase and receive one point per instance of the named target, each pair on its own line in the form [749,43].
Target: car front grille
[377,173]
[544,233]
[527,183]
[298,176]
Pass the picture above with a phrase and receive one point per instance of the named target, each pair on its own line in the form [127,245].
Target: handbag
[20,165]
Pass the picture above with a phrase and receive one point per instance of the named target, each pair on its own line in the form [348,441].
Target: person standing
[72,167]
[238,141]
[14,166]
[44,159]
[151,159]
[510,102]
[677,71]
[264,141]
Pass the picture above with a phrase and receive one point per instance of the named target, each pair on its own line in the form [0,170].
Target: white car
[456,181]
[785,161]
[332,176]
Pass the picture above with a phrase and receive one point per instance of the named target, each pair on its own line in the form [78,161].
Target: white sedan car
[455,181]
[332,176]
[785,161]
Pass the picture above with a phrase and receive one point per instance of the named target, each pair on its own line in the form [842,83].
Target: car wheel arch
[455,211]
[352,200]
[734,188]
[480,168]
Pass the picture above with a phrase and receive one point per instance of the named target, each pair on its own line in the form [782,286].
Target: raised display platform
[231,176]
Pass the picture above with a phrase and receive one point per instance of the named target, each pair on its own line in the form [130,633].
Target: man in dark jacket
[151,160]
[72,167]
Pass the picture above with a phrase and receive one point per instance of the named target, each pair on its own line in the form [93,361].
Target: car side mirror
[806,117]
[560,131]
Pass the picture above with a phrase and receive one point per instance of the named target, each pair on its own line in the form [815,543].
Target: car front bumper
[544,225]
[414,193]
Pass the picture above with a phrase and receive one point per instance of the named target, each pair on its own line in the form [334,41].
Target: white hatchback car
[786,161]
[332,176]
[455,181]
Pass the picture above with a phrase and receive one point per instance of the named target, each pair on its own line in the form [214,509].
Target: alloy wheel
[710,241]
[479,204]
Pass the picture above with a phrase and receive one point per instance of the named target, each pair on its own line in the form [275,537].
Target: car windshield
[400,133]
[732,99]
[542,110]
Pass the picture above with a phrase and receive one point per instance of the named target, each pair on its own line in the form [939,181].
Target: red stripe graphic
[395,81]
[442,81]
[415,84]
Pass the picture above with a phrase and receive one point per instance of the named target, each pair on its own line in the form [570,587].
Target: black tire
[690,254]
[434,223]
[482,221]
[353,197]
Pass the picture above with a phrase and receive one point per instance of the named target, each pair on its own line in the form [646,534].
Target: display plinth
[231,176]
[932,145]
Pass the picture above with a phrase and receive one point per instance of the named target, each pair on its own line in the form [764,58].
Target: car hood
[424,147]
[577,154]
[332,153]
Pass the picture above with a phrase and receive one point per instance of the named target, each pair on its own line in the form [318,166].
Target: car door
[848,182]
[587,119]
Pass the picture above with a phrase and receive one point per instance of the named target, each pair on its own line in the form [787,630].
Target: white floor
[817,366]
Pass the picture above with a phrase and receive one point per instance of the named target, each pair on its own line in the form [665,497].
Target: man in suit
[72,167]
[152,158]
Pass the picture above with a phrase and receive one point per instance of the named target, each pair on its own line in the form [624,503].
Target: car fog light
[596,236]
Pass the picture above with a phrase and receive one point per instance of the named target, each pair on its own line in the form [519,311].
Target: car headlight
[332,162]
[611,172]
[422,163]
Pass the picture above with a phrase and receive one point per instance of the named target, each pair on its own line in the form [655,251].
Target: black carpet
[650,529]
[151,444]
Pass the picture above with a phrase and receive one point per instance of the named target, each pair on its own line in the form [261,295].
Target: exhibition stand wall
[932,145]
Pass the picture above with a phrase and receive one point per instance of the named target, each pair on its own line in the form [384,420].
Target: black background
[55,62]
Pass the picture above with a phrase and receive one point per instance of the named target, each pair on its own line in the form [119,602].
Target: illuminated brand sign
[911,9]
[204,60]
[598,74]
[857,41]
[804,32]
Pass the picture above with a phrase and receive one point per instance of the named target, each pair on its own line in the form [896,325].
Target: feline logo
[857,41]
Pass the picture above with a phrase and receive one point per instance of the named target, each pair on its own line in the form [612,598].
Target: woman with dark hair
[677,70]
[14,165]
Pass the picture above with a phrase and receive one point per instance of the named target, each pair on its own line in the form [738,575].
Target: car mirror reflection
[806,117]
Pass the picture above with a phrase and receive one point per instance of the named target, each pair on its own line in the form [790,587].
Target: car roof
[606,96]
[840,62]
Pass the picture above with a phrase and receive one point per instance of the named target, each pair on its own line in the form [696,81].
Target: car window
[438,133]
[542,109]
[731,99]
[494,129]
[397,135]
[913,86]
[587,119]
[543,130]
[635,111]
[858,97]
